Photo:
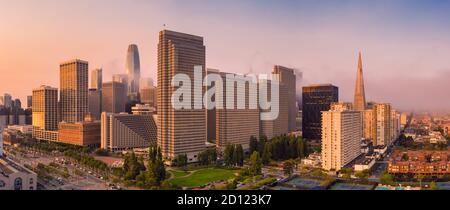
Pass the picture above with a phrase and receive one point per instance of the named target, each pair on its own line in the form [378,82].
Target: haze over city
[405,44]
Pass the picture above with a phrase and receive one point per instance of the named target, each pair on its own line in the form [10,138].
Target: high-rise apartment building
[382,134]
[74,90]
[341,137]
[113,97]
[125,131]
[287,77]
[316,98]
[180,131]
[44,115]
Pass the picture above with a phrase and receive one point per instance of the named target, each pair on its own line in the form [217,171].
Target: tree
[387,179]
[253,144]
[433,186]
[261,143]
[181,160]
[266,155]
[156,168]
[301,148]
[132,167]
[228,155]
[239,151]
[288,168]
[255,164]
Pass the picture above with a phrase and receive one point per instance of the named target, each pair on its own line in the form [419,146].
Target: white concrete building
[341,137]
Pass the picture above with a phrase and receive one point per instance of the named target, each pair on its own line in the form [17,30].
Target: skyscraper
[94,103]
[360,96]
[316,98]
[288,78]
[29,101]
[280,125]
[45,113]
[341,136]
[179,131]
[97,79]
[114,97]
[234,125]
[382,114]
[74,90]
[7,100]
[133,68]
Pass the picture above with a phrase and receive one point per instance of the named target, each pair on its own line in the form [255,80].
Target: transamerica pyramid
[360,96]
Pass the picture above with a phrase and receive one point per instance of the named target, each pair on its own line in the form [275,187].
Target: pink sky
[405,56]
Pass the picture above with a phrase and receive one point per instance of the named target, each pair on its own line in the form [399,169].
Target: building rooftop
[8,167]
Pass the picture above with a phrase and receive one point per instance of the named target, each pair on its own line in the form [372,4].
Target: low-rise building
[14,176]
[429,163]
[24,129]
[124,131]
[365,164]
[86,133]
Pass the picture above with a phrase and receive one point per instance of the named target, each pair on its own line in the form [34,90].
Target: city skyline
[404,46]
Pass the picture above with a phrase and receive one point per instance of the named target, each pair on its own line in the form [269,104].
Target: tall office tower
[149,95]
[45,113]
[126,131]
[341,137]
[29,101]
[114,97]
[133,68]
[7,100]
[180,131]
[146,82]
[211,112]
[122,78]
[288,78]
[382,114]
[316,98]
[279,126]
[17,103]
[97,79]
[94,103]
[360,96]
[74,90]
[298,88]
[234,125]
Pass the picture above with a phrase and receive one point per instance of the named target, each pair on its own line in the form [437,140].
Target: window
[2,184]
[18,184]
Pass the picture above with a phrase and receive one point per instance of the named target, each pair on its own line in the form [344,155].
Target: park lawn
[203,176]
[177,174]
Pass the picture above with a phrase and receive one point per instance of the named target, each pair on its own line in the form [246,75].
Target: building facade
[86,133]
[94,103]
[341,137]
[234,125]
[74,90]
[316,98]
[45,113]
[133,68]
[114,97]
[121,132]
[287,77]
[180,131]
